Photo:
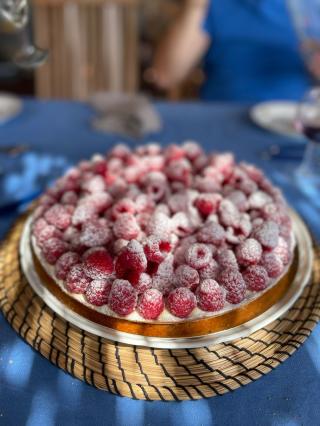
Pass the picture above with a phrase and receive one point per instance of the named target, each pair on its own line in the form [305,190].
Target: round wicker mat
[146,373]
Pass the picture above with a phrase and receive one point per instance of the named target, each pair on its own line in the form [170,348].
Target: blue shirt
[254,53]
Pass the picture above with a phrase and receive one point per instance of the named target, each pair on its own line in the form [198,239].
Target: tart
[164,241]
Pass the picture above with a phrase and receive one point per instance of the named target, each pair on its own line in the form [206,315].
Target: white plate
[277,116]
[300,281]
[10,106]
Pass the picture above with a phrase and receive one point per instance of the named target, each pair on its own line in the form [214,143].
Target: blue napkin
[24,176]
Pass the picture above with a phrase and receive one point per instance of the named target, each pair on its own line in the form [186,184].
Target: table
[34,392]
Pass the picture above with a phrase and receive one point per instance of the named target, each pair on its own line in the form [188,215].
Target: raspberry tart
[164,241]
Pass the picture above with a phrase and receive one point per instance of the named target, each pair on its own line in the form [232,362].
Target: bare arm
[182,46]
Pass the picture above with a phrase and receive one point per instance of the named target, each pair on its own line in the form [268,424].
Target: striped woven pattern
[146,373]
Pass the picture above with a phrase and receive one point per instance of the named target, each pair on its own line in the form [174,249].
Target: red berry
[227,259]
[120,151]
[229,214]
[150,304]
[210,296]
[192,150]
[209,271]
[207,203]
[83,213]
[159,225]
[97,292]
[267,234]
[126,227]
[234,283]
[282,251]
[94,184]
[125,205]
[100,201]
[256,278]
[77,281]
[211,233]
[131,259]
[98,263]
[198,255]
[179,170]
[156,249]
[163,278]
[38,226]
[239,199]
[272,264]
[53,248]
[174,152]
[143,284]
[64,264]
[95,233]
[122,297]
[187,277]
[249,252]
[181,302]
[69,197]
[58,216]
[259,199]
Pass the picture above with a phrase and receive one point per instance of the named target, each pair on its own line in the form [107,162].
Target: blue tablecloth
[34,392]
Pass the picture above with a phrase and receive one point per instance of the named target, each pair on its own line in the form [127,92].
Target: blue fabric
[254,53]
[34,392]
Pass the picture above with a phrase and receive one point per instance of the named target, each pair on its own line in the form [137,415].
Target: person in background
[249,49]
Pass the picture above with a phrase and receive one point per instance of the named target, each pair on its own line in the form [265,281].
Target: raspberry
[123,206]
[155,185]
[143,203]
[122,297]
[98,263]
[162,208]
[228,213]
[267,234]
[256,278]
[72,235]
[83,213]
[99,166]
[120,151]
[207,203]
[272,264]
[150,304]
[179,170]
[198,255]
[97,292]
[69,197]
[187,277]
[163,280]
[207,184]
[249,252]
[282,251]
[58,216]
[252,172]
[178,202]
[239,199]
[174,152]
[210,296]
[64,264]
[77,281]
[38,226]
[132,174]
[181,224]
[232,236]
[160,225]
[126,227]
[200,163]
[247,186]
[153,163]
[227,259]
[119,244]
[100,201]
[85,166]
[259,199]
[95,234]
[223,162]
[181,302]
[209,271]
[192,150]
[211,233]
[131,261]
[94,184]
[245,226]
[156,249]
[39,212]
[143,284]
[53,248]
[235,285]
[47,200]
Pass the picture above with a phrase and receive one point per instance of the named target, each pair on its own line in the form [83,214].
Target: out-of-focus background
[94,45]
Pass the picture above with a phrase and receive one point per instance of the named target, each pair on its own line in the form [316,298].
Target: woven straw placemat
[146,373]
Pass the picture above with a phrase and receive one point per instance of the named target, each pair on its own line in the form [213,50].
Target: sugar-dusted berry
[77,281]
[150,304]
[122,298]
[256,277]
[97,291]
[187,277]
[210,296]
[181,302]
[198,255]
